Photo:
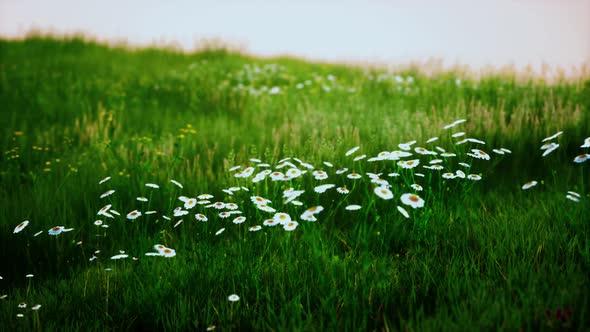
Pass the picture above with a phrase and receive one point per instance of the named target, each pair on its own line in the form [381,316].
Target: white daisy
[133,214]
[270,222]
[151,212]
[234,168]
[474,177]
[276,176]
[383,192]
[342,190]
[320,175]
[550,149]
[459,134]
[351,151]
[417,187]
[259,200]
[552,136]
[586,143]
[255,228]
[454,123]
[205,196]
[21,226]
[582,158]
[190,203]
[142,199]
[460,174]
[574,193]
[448,154]
[152,185]
[322,189]
[239,220]
[104,180]
[412,200]
[282,218]
[354,176]
[352,207]
[315,209]
[38,233]
[233,298]
[201,217]
[466,165]
[255,160]
[291,225]
[572,198]
[432,139]
[498,151]
[403,211]
[224,214]
[327,163]
[56,230]
[179,212]
[341,170]
[220,231]
[176,183]
[529,184]
[408,164]
[448,176]
[479,154]
[393,175]
[107,193]
[506,150]
[363,156]
[120,256]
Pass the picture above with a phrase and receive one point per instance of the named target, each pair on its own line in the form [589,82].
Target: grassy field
[479,253]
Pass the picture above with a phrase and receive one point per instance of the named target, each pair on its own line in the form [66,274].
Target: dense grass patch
[478,255]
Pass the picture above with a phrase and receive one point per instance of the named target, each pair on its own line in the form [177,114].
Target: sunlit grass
[154,189]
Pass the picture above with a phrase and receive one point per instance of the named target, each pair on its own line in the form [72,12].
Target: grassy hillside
[482,253]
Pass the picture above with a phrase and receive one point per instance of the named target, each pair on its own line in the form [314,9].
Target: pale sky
[473,32]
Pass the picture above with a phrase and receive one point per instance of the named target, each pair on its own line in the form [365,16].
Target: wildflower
[22,305]
[474,177]
[432,139]
[233,298]
[291,225]
[435,161]
[276,176]
[234,168]
[383,192]
[460,174]
[56,230]
[29,276]
[352,207]
[529,184]
[552,136]
[459,134]
[190,203]
[417,187]
[479,154]
[107,193]
[351,151]
[342,190]
[177,183]
[436,167]
[98,222]
[255,228]
[572,198]
[255,160]
[19,315]
[166,217]
[393,175]
[133,215]
[506,150]
[259,200]
[551,148]
[36,307]
[574,193]
[142,199]
[315,209]
[220,231]
[424,151]
[104,180]
[448,176]
[265,208]
[270,222]
[320,175]
[454,123]
[247,172]
[341,171]
[412,200]
[152,185]
[582,158]
[168,252]
[403,211]
[308,217]
[282,218]
[408,164]
[115,212]
[298,203]
[21,226]
[217,205]
[321,189]
[38,233]
[204,196]
[120,256]
[363,156]
[497,151]
[327,163]
[586,143]
[354,176]
[239,220]
[448,154]
[151,212]
[465,165]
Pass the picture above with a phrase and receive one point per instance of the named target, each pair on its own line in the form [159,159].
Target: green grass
[480,255]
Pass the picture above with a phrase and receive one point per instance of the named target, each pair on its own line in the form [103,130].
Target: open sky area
[477,33]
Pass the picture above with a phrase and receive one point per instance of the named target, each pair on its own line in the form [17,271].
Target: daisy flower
[98,222]
[417,187]
[363,156]
[436,167]
[224,214]
[104,180]
[383,192]
[352,207]
[168,252]
[205,196]
[151,212]
[454,123]
[276,176]
[265,208]
[408,164]
[412,200]
[448,176]
[115,212]
[497,151]
[282,218]
[342,190]
[231,206]
[201,217]
[255,228]
[552,136]
[179,212]
[36,307]
[220,231]
[320,175]
[586,143]
[234,168]
[582,158]
[327,163]
[217,205]
[120,256]
[506,150]
[459,134]
[21,226]
[341,170]
[38,233]
[430,140]
[233,298]
[152,185]
[315,209]
[465,165]
[270,222]
[572,198]
[291,225]
[293,173]
[239,220]
[393,175]
[255,160]
[351,151]
[298,203]
[22,305]
[474,177]
[479,154]
[107,193]
[177,223]
[460,174]
[248,172]
[354,176]
[448,154]
[190,203]
[435,161]
[166,217]
[259,200]
[133,215]
[56,230]
[574,193]
[424,151]
[322,189]
[529,184]
[551,148]
[176,183]
[142,199]
[403,211]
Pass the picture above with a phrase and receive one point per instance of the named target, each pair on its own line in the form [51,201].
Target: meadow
[150,189]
